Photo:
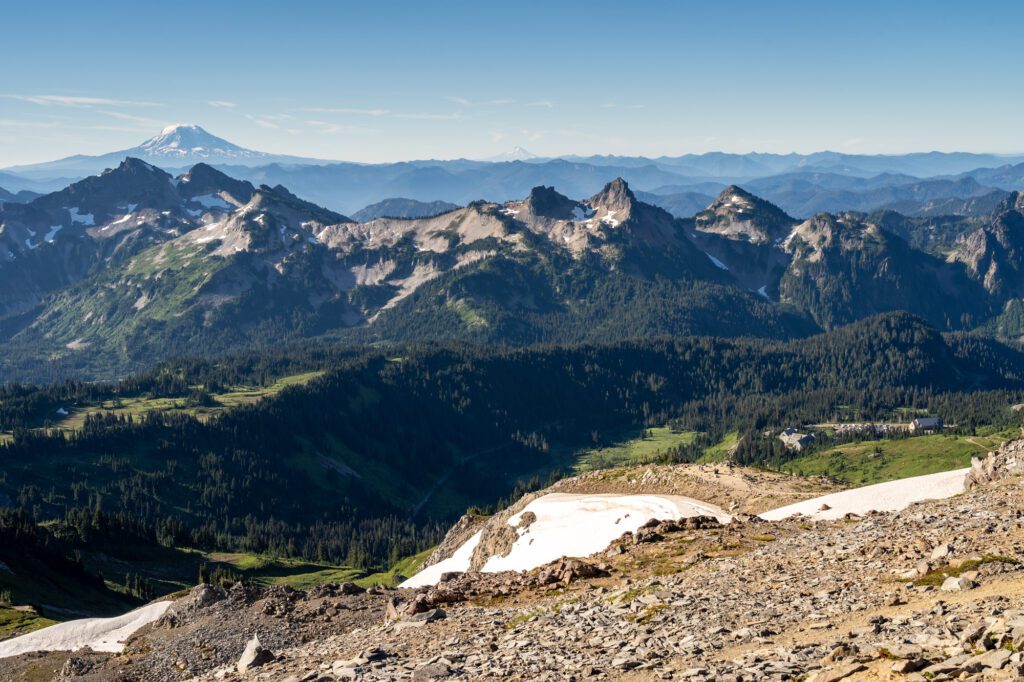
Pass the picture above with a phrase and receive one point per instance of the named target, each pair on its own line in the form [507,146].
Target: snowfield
[81,218]
[457,562]
[581,525]
[571,525]
[883,497]
[718,263]
[99,634]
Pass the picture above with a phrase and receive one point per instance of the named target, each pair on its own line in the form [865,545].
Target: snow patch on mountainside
[99,634]
[882,497]
[718,263]
[212,201]
[456,563]
[81,218]
[579,525]
[571,525]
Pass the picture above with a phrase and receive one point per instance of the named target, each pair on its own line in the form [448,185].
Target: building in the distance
[926,425]
[795,440]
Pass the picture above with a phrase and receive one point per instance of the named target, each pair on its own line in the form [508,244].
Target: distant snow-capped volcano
[176,147]
[517,154]
[187,141]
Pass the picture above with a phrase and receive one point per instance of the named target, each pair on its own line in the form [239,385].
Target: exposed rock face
[846,267]
[993,252]
[498,536]
[204,180]
[739,215]
[546,202]
[616,197]
[1007,461]
[464,528]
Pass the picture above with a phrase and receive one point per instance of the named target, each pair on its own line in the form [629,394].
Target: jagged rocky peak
[1013,202]
[734,198]
[280,199]
[133,184]
[616,196]
[134,175]
[203,179]
[993,252]
[738,214]
[548,203]
[135,166]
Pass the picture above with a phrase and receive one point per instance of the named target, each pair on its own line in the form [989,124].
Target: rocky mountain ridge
[136,255]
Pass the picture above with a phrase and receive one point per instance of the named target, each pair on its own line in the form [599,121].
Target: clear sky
[382,81]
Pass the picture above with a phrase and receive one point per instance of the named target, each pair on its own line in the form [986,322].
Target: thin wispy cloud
[269,121]
[357,112]
[131,118]
[263,123]
[388,113]
[535,135]
[545,103]
[15,123]
[78,101]
[221,104]
[337,128]
[462,101]
[454,116]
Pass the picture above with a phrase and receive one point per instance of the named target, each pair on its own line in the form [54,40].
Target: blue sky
[386,81]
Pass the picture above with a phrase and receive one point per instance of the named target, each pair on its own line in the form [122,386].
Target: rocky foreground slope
[933,592]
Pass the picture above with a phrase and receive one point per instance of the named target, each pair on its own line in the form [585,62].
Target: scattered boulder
[568,571]
[958,584]
[253,656]
[1007,461]
[427,616]
[76,666]
[418,620]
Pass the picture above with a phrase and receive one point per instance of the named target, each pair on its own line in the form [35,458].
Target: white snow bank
[718,263]
[580,525]
[81,218]
[883,497]
[99,634]
[211,201]
[459,561]
[571,525]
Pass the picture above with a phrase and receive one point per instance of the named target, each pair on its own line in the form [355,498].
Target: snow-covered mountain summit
[516,154]
[176,147]
[189,143]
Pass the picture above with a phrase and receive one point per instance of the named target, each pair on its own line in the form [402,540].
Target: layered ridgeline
[119,271]
[133,266]
[364,461]
[927,184]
